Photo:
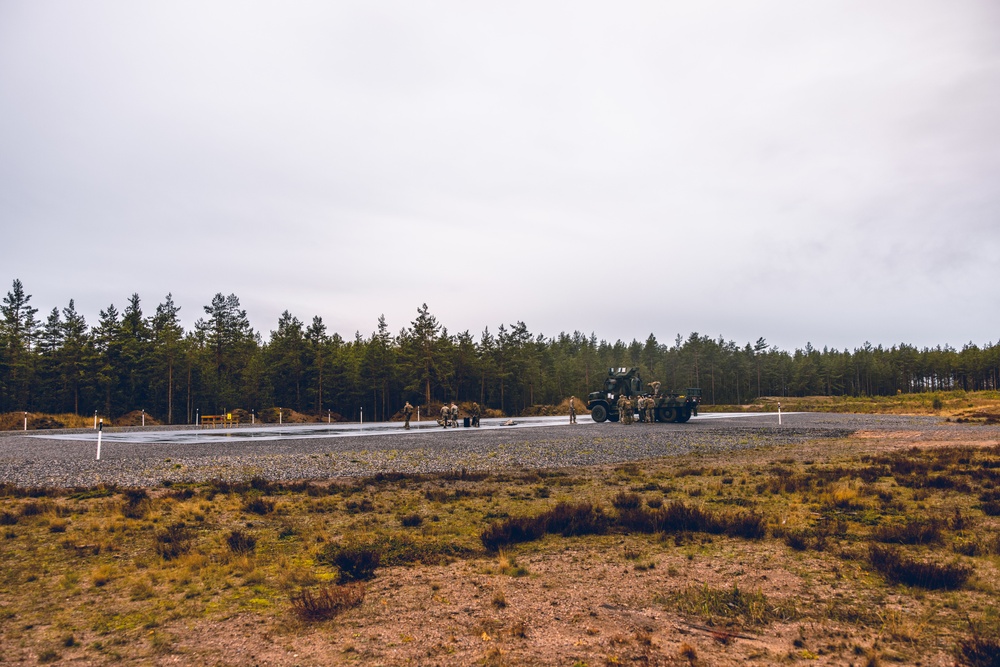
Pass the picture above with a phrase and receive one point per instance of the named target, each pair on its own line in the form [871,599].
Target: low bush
[173,541]
[259,506]
[137,503]
[914,531]
[991,508]
[566,519]
[354,563]
[978,651]
[626,501]
[326,602]
[240,542]
[899,569]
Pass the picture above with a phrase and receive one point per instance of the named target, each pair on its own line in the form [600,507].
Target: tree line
[130,360]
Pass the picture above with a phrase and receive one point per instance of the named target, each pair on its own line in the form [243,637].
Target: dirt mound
[135,418]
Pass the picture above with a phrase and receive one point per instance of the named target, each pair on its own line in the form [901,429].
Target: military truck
[670,406]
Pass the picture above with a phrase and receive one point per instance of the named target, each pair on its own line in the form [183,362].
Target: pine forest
[136,359]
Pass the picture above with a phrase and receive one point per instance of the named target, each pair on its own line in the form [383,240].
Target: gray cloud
[821,171]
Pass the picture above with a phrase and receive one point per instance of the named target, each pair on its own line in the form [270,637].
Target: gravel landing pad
[40,460]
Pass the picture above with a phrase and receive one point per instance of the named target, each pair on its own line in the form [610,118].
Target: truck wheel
[599,413]
[683,415]
[666,414]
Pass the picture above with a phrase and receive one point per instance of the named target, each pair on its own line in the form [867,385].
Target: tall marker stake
[100,429]
[779,414]
[25,421]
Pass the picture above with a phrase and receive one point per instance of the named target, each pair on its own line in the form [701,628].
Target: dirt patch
[888,435]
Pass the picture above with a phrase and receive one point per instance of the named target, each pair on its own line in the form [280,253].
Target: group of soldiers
[645,405]
[449,415]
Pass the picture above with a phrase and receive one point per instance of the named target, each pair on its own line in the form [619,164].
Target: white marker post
[253,418]
[418,413]
[328,417]
[143,417]
[26,420]
[279,416]
[779,413]
[362,419]
[95,420]
[100,429]
[197,417]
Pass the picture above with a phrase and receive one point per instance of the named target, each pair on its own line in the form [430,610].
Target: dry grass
[829,540]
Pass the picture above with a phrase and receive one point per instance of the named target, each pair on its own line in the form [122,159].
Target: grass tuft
[240,542]
[173,541]
[323,603]
[914,531]
[899,569]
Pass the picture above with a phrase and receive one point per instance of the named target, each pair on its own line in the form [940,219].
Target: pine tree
[18,329]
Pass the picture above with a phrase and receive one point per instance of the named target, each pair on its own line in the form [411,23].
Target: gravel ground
[34,461]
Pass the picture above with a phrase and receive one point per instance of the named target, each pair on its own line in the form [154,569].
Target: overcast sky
[800,171]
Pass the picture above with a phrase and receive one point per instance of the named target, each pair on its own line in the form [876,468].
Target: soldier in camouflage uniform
[407,413]
[624,410]
[650,406]
[572,409]
[445,413]
[656,387]
[454,414]
[475,414]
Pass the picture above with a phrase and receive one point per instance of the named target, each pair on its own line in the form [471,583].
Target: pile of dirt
[135,418]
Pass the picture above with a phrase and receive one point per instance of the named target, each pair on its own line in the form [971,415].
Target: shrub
[411,520]
[566,519]
[915,531]
[240,542]
[569,519]
[797,541]
[512,531]
[991,507]
[626,501]
[173,541]
[259,506]
[355,563]
[902,570]
[354,507]
[978,651]
[324,603]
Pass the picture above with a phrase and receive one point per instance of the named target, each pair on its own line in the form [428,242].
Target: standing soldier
[445,413]
[572,409]
[454,414]
[650,406]
[624,410]
[640,406]
[407,413]
[475,414]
